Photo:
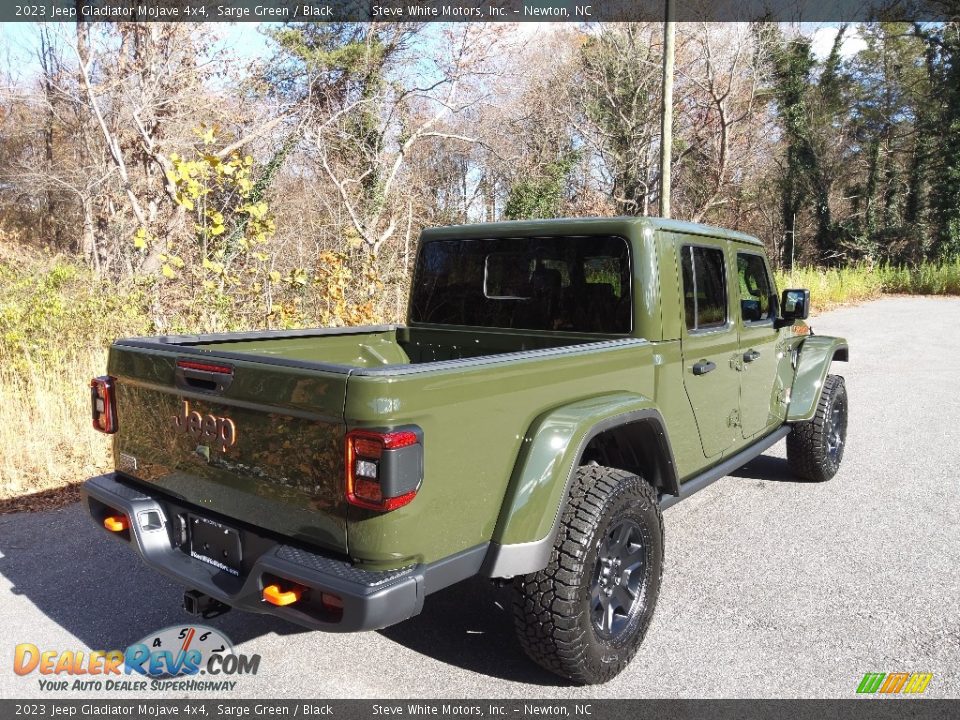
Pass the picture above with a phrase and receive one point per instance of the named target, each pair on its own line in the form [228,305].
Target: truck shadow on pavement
[100,592]
[765,467]
[470,625]
[95,588]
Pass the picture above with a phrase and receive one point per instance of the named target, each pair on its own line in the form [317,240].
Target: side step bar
[699,482]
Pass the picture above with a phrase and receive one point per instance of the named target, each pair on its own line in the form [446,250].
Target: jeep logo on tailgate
[221,432]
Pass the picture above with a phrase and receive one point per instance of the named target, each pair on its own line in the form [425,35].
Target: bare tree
[620,99]
[722,72]
[365,147]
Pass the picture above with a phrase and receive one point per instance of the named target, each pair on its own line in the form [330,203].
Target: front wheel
[815,447]
[584,616]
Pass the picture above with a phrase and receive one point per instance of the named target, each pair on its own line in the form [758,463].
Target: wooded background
[290,188]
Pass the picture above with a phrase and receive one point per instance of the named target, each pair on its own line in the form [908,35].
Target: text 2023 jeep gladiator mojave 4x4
[558,384]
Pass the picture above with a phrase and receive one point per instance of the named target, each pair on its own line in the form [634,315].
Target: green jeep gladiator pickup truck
[557,385]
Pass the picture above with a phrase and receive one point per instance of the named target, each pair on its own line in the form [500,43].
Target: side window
[756,289]
[704,287]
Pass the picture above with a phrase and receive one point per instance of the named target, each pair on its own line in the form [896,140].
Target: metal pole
[793,243]
[666,118]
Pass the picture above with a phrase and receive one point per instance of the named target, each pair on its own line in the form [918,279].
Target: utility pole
[666,118]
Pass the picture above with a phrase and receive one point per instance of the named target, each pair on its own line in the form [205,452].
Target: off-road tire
[813,452]
[555,609]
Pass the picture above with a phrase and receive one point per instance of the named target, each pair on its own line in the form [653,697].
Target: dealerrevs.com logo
[895,683]
[171,659]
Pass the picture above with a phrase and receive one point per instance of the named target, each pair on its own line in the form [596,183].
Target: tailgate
[248,440]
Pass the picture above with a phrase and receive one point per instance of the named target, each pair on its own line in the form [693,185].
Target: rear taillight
[384,469]
[104,404]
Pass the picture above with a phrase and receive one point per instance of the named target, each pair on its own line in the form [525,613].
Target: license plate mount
[215,544]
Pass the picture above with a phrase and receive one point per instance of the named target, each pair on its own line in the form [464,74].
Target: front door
[756,308]
[710,344]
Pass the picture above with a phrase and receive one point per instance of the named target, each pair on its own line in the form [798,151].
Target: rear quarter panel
[475,419]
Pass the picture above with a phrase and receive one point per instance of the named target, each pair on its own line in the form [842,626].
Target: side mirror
[794,305]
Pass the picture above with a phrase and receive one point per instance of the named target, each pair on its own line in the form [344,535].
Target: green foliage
[341,52]
[58,312]
[808,106]
[927,278]
[833,286]
[889,109]
[541,197]
[946,191]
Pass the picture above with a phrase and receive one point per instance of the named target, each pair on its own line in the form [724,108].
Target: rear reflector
[275,595]
[103,404]
[331,602]
[116,523]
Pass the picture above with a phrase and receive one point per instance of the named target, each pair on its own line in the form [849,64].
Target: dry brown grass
[47,444]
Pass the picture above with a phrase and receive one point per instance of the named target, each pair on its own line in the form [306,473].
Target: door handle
[703,367]
[750,356]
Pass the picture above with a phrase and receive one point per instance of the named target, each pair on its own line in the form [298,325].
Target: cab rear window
[574,284]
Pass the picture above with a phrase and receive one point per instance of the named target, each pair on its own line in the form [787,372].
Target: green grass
[832,287]
[925,279]
[56,321]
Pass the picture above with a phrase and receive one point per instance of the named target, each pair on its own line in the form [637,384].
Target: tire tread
[546,612]
[806,442]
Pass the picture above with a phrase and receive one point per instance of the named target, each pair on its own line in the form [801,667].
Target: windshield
[576,284]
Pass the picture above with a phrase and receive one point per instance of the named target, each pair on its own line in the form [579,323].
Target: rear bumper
[371,599]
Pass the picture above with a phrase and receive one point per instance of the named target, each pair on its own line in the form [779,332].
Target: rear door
[758,342]
[710,343]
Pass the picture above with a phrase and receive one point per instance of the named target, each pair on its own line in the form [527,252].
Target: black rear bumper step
[371,599]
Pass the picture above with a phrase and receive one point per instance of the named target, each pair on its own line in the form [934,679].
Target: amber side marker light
[331,603]
[274,595]
[116,523]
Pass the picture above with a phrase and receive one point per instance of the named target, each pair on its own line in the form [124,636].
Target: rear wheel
[815,447]
[584,616]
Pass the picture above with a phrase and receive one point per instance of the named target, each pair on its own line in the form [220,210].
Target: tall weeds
[46,438]
[859,283]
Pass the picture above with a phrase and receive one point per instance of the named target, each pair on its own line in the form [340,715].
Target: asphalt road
[772,587]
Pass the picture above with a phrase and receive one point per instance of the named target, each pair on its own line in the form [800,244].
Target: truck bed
[389,346]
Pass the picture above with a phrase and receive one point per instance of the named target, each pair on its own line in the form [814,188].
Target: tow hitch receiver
[196,603]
